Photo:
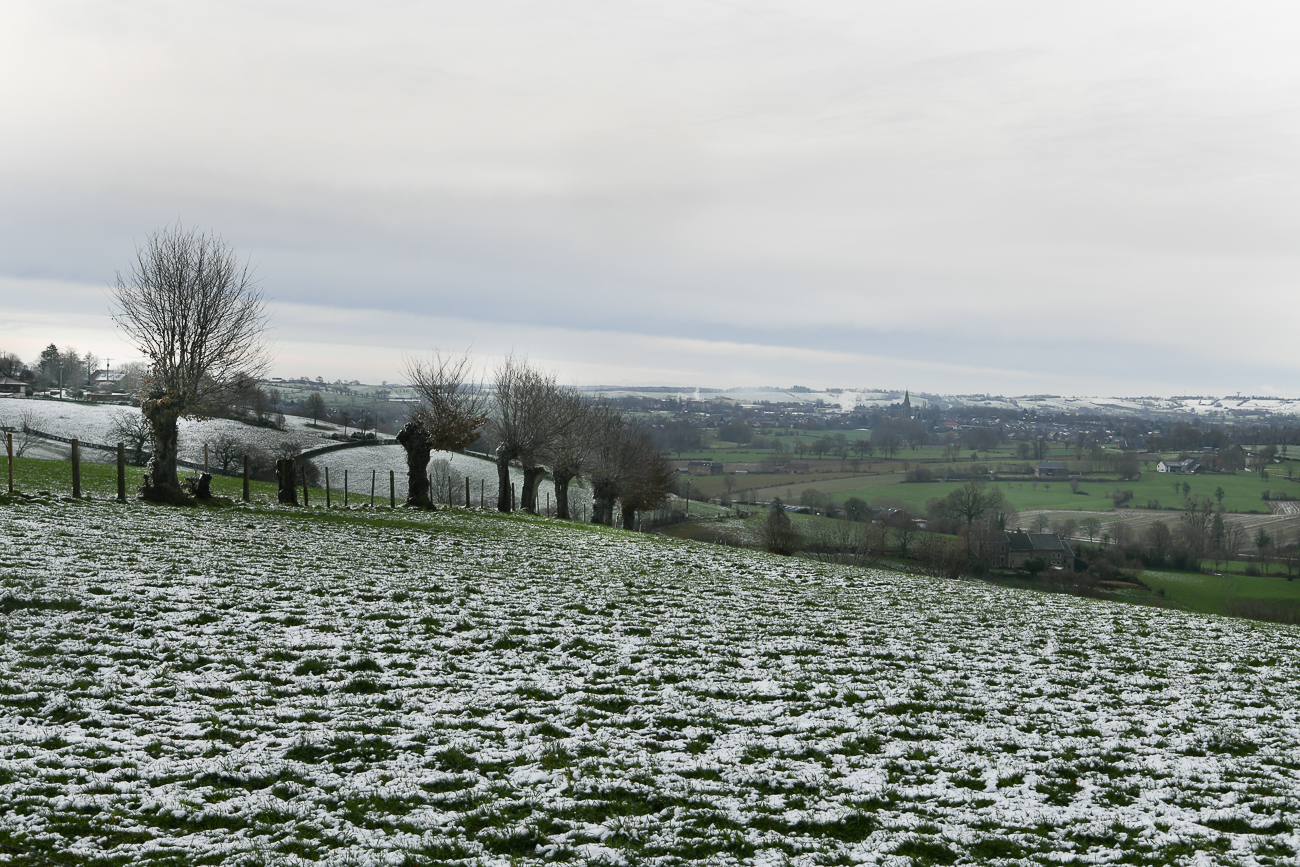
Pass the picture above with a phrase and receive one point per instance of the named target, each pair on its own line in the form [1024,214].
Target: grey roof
[1051,465]
[1039,542]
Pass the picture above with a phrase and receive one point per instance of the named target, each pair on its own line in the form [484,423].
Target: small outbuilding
[9,385]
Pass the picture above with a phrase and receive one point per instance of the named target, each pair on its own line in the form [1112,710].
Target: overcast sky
[1017,198]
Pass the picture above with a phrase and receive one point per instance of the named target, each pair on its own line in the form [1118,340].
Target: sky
[1002,197]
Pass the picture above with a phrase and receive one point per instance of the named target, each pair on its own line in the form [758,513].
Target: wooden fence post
[548,504]
[205,457]
[512,496]
[448,486]
[392,490]
[306,499]
[327,487]
[482,486]
[246,468]
[121,472]
[372,487]
[467,492]
[9,448]
[345,487]
[76,469]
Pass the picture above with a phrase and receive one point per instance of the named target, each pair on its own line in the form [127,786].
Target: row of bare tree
[191,307]
[538,424]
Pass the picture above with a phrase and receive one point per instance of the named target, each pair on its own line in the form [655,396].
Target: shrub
[778,533]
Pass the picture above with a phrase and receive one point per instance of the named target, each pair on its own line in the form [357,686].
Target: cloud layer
[1001,197]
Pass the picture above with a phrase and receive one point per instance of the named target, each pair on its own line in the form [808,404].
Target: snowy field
[363,465]
[374,462]
[265,686]
[94,424]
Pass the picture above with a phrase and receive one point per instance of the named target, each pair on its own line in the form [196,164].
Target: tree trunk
[532,480]
[562,480]
[160,482]
[416,442]
[629,517]
[602,505]
[503,479]
[285,478]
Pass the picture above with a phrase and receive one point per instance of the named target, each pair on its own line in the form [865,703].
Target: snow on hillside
[94,424]
[271,686]
[846,400]
[361,463]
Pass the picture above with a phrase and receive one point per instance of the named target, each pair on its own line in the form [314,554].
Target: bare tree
[315,406]
[196,313]
[647,478]
[530,413]
[607,430]
[1092,527]
[10,364]
[973,499]
[449,417]
[25,433]
[571,453]
[227,452]
[133,376]
[132,429]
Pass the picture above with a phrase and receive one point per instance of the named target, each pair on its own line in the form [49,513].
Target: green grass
[99,481]
[1242,491]
[1226,594]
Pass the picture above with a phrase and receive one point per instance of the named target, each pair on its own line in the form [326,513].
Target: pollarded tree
[607,468]
[195,312]
[647,478]
[571,453]
[451,412]
[530,412]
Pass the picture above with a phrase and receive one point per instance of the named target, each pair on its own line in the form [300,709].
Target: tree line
[527,418]
[195,311]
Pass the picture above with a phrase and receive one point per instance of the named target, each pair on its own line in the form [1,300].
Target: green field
[99,481]
[1230,594]
[1242,491]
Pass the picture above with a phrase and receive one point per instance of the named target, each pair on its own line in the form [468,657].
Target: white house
[1189,465]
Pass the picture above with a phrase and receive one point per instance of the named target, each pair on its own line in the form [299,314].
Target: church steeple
[907,404]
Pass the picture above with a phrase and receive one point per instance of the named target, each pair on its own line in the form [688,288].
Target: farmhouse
[704,468]
[1051,469]
[1013,549]
[1189,465]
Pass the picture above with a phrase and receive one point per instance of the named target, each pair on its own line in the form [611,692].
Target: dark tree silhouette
[530,412]
[449,417]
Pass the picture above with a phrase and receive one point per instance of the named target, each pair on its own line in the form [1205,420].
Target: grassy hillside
[265,685]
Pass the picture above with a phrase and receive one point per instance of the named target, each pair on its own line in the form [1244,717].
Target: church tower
[907,404]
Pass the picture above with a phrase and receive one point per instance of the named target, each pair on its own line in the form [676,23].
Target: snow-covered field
[252,685]
[374,463]
[93,424]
